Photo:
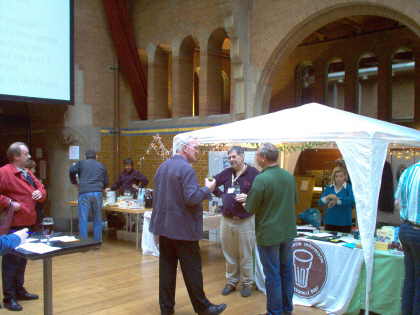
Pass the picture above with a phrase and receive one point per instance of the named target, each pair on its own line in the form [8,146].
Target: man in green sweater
[272,199]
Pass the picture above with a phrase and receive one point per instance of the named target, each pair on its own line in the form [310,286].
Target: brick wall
[135,146]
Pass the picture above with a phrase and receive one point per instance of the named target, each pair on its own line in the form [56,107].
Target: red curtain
[122,33]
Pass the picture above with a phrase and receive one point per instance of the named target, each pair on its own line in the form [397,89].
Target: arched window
[335,84]
[305,83]
[403,85]
[367,87]
[218,62]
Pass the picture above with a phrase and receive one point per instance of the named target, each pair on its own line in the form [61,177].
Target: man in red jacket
[20,190]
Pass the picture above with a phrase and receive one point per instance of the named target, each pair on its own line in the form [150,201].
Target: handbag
[6,217]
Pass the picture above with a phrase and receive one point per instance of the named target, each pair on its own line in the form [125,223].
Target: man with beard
[237,225]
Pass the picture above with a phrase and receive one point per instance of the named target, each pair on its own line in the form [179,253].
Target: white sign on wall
[74,152]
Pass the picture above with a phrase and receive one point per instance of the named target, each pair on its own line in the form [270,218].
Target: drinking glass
[47,228]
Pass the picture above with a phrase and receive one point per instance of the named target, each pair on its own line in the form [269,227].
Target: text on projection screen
[35,48]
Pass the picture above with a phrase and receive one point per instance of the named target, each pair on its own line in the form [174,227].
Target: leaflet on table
[322,234]
[64,239]
[38,248]
[31,239]
[306,228]
[347,239]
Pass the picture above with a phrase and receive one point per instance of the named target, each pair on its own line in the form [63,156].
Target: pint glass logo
[310,268]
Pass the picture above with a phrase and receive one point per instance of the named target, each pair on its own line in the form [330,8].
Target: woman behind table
[339,200]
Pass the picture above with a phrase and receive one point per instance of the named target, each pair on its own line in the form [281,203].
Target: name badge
[231,190]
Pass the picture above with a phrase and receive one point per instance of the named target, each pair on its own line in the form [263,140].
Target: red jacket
[14,187]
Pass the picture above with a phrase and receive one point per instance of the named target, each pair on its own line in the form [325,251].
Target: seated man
[130,179]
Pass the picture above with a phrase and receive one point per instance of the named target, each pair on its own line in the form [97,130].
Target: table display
[326,274]
[332,277]
[387,283]
[128,211]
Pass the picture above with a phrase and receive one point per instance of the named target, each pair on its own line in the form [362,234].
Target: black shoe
[246,290]
[27,296]
[213,310]
[13,305]
[167,312]
[228,289]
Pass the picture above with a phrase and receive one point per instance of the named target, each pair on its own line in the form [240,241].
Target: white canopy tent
[363,142]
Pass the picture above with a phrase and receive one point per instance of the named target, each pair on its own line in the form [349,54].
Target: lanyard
[234,179]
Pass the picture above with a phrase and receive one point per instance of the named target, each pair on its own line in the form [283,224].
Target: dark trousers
[188,255]
[410,240]
[13,276]
[277,262]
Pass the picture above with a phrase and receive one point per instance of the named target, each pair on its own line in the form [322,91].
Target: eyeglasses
[195,148]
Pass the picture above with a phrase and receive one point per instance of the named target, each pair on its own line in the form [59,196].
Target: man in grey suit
[177,219]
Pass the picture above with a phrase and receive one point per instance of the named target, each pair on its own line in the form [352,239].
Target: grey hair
[269,151]
[180,142]
[238,149]
[15,150]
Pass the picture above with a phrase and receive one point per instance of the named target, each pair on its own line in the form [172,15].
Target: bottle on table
[141,198]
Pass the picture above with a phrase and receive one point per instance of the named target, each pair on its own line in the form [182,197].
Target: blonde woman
[339,200]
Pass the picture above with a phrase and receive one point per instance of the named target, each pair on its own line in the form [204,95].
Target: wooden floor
[117,279]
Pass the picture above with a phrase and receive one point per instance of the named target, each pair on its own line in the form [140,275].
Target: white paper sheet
[322,234]
[38,248]
[64,239]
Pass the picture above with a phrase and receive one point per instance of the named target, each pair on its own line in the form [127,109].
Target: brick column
[350,86]
[385,87]
[183,79]
[203,98]
[182,86]
[213,84]
[157,90]
[320,68]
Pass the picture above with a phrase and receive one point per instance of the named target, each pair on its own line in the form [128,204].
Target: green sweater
[272,198]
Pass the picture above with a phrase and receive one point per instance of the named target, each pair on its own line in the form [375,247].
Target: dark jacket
[126,180]
[92,176]
[231,207]
[177,210]
[386,194]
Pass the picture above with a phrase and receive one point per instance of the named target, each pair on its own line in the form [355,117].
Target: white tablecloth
[326,274]
[150,245]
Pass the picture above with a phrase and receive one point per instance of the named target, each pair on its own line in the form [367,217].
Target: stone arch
[313,22]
